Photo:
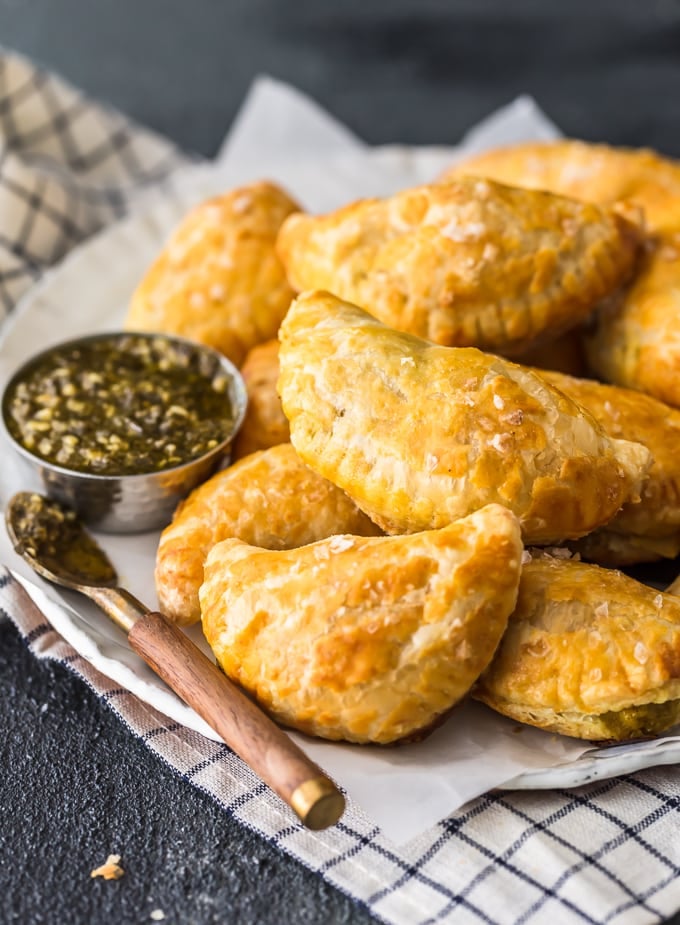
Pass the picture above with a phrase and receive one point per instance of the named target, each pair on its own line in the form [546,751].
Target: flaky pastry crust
[264,424]
[649,529]
[467,263]
[269,499]
[637,342]
[420,435]
[589,652]
[218,279]
[364,639]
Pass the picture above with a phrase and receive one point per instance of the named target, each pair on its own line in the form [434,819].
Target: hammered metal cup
[128,503]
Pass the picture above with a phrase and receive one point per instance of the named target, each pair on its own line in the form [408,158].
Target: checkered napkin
[607,852]
[67,167]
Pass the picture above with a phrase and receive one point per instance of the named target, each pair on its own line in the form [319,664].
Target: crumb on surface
[110,869]
[157,915]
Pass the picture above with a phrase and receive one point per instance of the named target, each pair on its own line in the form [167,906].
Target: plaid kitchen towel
[608,852]
[67,167]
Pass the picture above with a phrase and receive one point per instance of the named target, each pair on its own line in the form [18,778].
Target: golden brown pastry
[420,435]
[650,529]
[588,652]
[368,640]
[218,279]
[637,342]
[264,424]
[268,499]
[468,263]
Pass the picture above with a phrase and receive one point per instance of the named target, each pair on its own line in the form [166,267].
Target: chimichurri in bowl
[113,422]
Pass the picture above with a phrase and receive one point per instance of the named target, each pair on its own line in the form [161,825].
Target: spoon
[56,545]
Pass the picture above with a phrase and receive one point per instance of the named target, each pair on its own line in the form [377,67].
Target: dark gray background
[74,784]
[393,70]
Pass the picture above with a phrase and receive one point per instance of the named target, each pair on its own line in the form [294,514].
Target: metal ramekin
[127,503]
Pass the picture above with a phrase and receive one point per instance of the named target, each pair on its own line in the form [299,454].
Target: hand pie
[268,499]
[637,342]
[651,529]
[467,263]
[420,435]
[368,640]
[264,424]
[588,652]
[218,279]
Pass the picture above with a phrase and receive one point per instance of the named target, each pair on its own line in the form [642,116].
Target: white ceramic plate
[89,292]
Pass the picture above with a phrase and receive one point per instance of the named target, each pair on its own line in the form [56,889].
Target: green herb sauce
[120,405]
[643,722]
[53,536]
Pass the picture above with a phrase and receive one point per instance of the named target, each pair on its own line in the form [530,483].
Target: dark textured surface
[75,785]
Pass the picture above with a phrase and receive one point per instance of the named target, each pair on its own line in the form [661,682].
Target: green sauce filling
[642,722]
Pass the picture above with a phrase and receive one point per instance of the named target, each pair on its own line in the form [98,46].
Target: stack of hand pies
[464,417]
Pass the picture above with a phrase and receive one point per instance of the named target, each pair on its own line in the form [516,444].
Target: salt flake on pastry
[420,443]
[364,639]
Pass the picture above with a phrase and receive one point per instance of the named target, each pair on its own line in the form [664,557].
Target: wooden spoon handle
[243,726]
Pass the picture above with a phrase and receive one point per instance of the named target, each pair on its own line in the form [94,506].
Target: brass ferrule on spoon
[119,605]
